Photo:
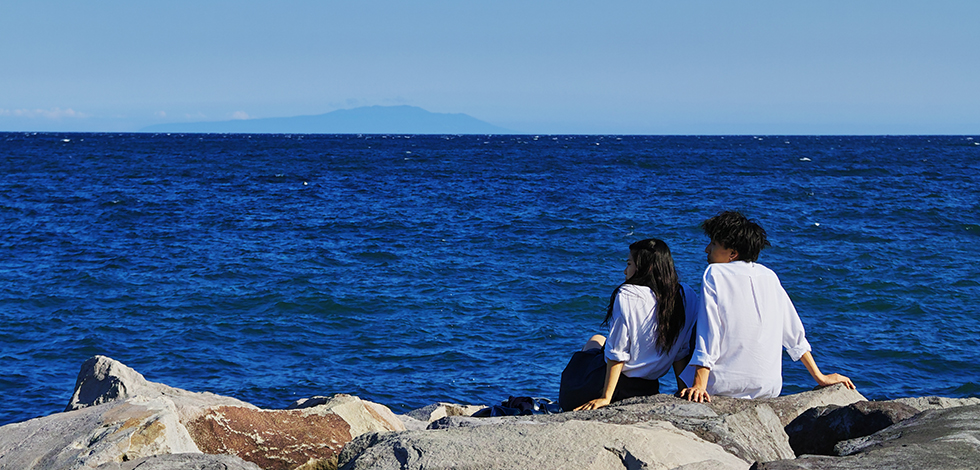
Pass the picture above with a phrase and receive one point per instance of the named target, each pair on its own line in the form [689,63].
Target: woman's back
[633,332]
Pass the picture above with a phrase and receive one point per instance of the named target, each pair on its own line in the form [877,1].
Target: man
[745,319]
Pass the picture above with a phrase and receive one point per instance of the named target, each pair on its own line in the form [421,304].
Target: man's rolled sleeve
[709,325]
[794,335]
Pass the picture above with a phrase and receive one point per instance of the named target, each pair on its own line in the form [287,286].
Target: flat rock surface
[561,445]
[937,403]
[183,462]
[748,429]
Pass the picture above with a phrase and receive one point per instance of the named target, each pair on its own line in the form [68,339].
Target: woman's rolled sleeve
[618,343]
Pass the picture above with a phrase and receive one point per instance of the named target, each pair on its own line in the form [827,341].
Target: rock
[287,439]
[437,411]
[183,462]
[102,379]
[570,444]
[788,407]
[819,429]
[421,418]
[362,415]
[937,403]
[114,432]
[748,429]
[934,439]
[116,416]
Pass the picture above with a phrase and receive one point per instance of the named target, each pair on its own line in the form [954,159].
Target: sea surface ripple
[414,269]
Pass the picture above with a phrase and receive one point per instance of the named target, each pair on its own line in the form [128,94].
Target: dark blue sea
[414,269]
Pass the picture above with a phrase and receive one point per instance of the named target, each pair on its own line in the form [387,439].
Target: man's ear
[734,256]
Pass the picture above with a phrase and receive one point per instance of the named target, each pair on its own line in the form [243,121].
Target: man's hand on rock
[696,394]
[831,379]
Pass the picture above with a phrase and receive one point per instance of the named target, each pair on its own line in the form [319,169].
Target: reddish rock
[273,440]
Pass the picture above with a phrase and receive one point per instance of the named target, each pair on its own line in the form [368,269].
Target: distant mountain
[364,120]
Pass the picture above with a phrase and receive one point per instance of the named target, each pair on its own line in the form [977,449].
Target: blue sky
[620,67]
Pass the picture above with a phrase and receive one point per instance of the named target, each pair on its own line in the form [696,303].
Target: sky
[548,67]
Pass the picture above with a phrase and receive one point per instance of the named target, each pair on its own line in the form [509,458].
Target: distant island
[363,120]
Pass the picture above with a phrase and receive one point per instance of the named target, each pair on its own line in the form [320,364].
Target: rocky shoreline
[117,420]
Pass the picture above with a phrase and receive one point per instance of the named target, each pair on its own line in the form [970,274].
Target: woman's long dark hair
[655,269]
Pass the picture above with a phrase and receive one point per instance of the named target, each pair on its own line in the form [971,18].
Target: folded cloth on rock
[514,406]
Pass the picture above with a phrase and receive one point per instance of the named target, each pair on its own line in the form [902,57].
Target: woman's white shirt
[633,332]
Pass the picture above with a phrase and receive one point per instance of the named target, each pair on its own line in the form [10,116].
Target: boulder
[572,444]
[183,462]
[788,407]
[748,429]
[113,432]
[102,379]
[421,418]
[288,439]
[934,439]
[937,403]
[116,416]
[819,429]
[437,411]
[363,416]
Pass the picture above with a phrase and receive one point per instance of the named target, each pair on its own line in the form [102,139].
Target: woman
[651,318]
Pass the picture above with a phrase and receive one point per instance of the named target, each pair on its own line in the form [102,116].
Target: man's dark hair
[734,231]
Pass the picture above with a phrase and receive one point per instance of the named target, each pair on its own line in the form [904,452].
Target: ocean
[413,269]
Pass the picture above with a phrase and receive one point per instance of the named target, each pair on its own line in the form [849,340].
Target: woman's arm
[678,368]
[699,391]
[613,369]
[824,380]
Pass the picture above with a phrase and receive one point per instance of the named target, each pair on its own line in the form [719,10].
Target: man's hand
[831,379]
[822,379]
[696,394]
[594,404]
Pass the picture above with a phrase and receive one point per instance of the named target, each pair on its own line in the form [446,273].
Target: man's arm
[699,391]
[824,380]
[613,369]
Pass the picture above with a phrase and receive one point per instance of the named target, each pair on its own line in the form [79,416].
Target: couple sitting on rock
[728,344]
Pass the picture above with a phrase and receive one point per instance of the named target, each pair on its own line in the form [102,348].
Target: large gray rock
[936,403]
[113,432]
[116,416]
[572,445]
[818,430]
[788,407]
[183,462]
[102,380]
[748,429]
[934,439]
